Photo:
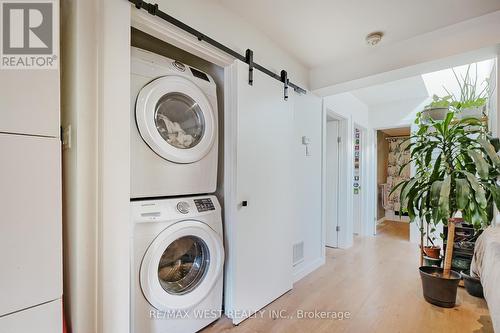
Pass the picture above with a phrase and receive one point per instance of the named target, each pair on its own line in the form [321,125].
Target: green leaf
[447,120]
[481,164]
[444,198]
[435,192]
[495,193]
[490,151]
[476,219]
[398,185]
[480,194]
[405,191]
[428,157]
[463,193]
[437,165]
[495,142]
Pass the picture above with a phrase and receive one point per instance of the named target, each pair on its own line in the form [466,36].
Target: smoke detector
[374,38]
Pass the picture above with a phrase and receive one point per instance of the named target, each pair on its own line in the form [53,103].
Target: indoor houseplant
[437,109]
[456,168]
[473,95]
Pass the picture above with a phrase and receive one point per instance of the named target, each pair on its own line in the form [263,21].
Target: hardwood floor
[377,282]
[394,229]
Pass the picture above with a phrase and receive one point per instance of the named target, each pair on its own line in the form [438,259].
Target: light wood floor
[394,229]
[377,281]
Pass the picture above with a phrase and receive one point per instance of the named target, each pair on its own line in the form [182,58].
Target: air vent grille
[298,253]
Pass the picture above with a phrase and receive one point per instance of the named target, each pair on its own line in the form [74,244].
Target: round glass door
[179,120]
[183,265]
[175,119]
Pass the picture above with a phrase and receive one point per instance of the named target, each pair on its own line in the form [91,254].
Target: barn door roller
[247,58]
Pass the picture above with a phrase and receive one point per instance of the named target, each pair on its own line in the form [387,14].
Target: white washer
[174,137]
[177,264]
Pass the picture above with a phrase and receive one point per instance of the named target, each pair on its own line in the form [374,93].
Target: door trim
[344,201]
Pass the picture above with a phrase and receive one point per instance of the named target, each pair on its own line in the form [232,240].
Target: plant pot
[432,251]
[472,285]
[460,263]
[437,289]
[436,262]
[435,113]
[476,112]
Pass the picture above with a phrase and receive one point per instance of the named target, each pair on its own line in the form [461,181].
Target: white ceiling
[318,32]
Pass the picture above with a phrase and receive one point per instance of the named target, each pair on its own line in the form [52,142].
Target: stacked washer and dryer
[178,253]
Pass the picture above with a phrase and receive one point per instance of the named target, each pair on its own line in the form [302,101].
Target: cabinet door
[260,233]
[30,102]
[30,225]
[45,318]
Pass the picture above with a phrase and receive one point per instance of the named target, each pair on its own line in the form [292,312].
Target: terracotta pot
[432,251]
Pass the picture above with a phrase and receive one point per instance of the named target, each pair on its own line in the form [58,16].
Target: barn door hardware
[284,79]
[247,58]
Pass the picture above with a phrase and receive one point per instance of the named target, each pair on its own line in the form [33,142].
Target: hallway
[377,282]
[394,229]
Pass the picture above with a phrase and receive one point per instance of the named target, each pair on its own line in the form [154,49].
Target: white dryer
[174,137]
[178,262]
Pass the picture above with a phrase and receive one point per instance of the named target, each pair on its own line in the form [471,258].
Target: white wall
[79,107]
[95,59]
[350,107]
[308,122]
[354,111]
[396,114]
[228,28]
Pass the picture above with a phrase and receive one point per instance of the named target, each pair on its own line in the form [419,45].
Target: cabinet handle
[244,203]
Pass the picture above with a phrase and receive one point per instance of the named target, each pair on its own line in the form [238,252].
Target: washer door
[176,119]
[181,266]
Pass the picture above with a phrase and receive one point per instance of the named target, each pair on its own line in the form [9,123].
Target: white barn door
[259,171]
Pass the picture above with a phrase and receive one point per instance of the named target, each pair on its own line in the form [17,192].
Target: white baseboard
[305,269]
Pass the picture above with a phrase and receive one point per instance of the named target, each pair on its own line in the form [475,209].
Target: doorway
[391,157]
[337,211]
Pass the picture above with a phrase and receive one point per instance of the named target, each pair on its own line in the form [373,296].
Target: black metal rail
[247,58]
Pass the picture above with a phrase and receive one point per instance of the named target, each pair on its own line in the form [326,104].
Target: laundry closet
[265,143]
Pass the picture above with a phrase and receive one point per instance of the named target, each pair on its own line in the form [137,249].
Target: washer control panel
[203,205]
[183,207]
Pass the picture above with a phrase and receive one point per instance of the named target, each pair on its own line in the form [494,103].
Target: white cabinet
[29,102]
[30,223]
[45,318]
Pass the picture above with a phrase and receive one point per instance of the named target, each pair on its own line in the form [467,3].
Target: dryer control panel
[203,205]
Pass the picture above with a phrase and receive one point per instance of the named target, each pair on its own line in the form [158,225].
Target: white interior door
[259,247]
[332,182]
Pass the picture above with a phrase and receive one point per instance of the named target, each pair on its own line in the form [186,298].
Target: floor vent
[298,253]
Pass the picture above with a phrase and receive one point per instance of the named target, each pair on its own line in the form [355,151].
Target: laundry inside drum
[179,120]
[183,265]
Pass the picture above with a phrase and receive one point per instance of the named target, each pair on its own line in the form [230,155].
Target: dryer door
[176,119]
[181,266]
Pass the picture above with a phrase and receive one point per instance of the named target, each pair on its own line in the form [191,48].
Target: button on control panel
[204,205]
[183,207]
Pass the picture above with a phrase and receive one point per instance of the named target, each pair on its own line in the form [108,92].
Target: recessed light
[374,38]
